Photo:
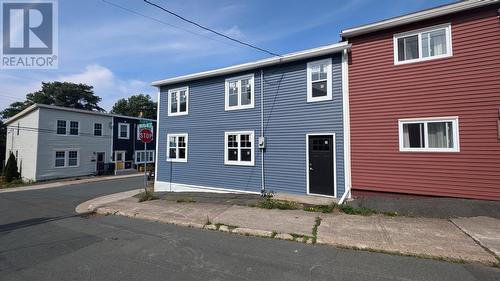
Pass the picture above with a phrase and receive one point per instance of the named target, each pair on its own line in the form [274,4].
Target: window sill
[318,99]
[177,114]
[230,108]
[231,163]
[423,59]
[429,150]
[177,160]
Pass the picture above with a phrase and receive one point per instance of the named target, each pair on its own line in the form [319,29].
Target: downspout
[262,138]
[347,129]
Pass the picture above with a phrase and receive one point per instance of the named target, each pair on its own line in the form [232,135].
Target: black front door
[321,177]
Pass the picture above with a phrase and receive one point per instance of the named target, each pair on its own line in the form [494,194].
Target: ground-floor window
[239,148]
[438,134]
[177,147]
[66,158]
[141,156]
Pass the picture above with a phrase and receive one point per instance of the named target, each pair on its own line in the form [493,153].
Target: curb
[65,183]
[95,204]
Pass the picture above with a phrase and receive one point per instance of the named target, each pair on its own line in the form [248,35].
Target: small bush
[147,196]
[321,208]
[269,203]
[11,172]
[356,211]
[185,200]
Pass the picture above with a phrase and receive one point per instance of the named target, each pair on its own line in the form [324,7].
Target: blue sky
[120,53]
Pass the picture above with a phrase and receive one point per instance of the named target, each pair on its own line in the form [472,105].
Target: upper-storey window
[73,128]
[239,93]
[123,131]
[319,80]
[97,129]
[61,127]
[438,134]
[178,100]
[423,44]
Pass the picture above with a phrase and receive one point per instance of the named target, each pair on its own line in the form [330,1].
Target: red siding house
[424,96]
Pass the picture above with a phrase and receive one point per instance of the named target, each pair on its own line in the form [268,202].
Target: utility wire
[211,30]
[166,23]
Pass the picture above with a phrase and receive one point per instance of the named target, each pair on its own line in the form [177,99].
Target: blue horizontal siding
[287,119]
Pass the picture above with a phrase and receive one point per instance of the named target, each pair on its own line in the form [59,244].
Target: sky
[120,53]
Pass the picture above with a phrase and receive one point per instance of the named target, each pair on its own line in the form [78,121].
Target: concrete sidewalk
[425,237]
[66,182]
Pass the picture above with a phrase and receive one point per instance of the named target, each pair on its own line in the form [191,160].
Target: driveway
[41,238]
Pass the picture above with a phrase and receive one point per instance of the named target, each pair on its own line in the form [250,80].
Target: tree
[134,105]
[66,94]
[11,171]
[3,136]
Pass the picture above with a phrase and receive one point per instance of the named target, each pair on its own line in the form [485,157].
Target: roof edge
[416,16]
[323,50]
[35,106]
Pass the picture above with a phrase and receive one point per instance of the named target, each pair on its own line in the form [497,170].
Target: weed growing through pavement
[185,200]
[147,196]
[270,203]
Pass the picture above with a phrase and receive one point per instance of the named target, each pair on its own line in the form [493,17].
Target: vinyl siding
[26,144]
[287,119]
[86,143]
[133,143]
[466,85]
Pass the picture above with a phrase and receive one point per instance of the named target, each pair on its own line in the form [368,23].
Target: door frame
[96,157]
[124,157]
[334,163]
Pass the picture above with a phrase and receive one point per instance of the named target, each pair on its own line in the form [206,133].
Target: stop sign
[146,135]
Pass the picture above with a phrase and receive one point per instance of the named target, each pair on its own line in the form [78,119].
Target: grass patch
[147,196]
[185,200]
[317,222]
[356,211]
[14,183]
[391,214]
[270,203]
[321,208]
[273,234]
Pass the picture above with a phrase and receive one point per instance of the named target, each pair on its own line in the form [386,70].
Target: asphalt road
[41,238]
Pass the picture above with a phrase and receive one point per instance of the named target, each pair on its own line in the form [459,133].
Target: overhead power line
[211,30]
[166,23]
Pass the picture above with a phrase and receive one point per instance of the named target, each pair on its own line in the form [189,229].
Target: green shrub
[11,172]
[321,208]
[356,211]
[270,203]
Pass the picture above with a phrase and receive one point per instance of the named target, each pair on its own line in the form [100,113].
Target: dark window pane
[182,141]
[183,101]
[123,131]
[245,141]
[97,129]
[440,134]
[414,135]
[232,155]
[73,128]
[233,100]
[411,47]
[401,49]
[172,153]
[246,92]
[61,127]
[60,162]
[246,155]
[231,141]
[182,153]
[173,102]
[319,89]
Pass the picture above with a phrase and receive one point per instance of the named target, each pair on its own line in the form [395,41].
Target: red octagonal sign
[146,135]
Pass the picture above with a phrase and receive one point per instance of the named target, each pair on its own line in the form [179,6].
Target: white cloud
[106,85]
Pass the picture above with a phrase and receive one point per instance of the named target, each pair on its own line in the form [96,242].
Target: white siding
[25,143]
[85,143]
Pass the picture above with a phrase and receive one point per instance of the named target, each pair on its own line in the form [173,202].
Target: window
[140,156]
[72,158]
[18,126]
[97,129]
[73,128]
[61,127]
[239,148]
[431,134]
[319,80]
[177,147]
[178,100]
[239,92]
[123,131]
[423,44]
[60,159]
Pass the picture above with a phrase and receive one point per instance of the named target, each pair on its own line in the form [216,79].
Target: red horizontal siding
[466,85]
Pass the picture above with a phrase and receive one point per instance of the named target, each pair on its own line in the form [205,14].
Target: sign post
[146,136]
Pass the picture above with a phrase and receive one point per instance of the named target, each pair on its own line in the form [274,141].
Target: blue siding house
[277,124]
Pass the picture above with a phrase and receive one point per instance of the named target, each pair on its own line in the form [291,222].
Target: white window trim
[66,158]
[176,91]
[68,132]
[65,127]
[239,162]
[456,134]
[177,147]
[102,130]
[68,128]
[142,151]
[128,131]
[449,49]
[226,91]
[310,65]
